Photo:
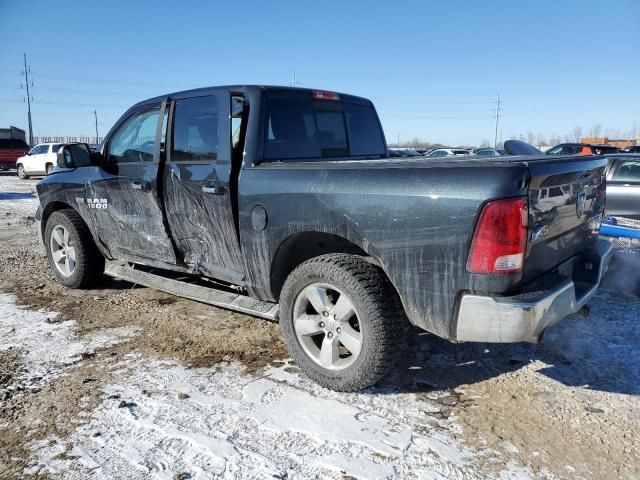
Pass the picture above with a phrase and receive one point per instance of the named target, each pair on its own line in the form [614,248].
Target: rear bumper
[524,317]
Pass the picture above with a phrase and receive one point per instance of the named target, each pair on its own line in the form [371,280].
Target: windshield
[301,127]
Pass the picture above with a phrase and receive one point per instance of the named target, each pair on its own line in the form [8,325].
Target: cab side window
[196,129]
[135,140]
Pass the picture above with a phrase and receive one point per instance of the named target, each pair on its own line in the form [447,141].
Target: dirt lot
[128,382]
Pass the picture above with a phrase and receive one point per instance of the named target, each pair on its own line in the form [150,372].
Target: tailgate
[566,201]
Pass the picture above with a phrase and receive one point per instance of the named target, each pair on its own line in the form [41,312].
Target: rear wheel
[74,258]
[49,168]
[342,321]
[21,172]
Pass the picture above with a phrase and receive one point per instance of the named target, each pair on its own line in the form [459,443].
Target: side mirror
[73,155]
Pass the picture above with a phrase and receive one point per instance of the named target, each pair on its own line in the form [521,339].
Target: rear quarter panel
[416,221]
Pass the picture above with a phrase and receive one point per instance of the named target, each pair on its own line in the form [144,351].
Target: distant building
[608,141]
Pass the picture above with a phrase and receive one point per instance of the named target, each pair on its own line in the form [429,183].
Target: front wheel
[22,174]
[342,321]
[74,258]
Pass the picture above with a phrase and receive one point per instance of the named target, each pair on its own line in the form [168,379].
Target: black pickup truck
[283,203]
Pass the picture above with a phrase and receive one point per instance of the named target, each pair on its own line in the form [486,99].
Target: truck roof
[243,87]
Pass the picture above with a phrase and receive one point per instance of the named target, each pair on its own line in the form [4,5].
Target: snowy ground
[566,408]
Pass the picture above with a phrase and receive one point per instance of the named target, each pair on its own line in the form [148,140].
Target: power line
[81,92]
[54,76]
[66,104]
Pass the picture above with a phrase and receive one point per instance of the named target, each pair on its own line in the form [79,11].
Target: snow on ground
[159,418]
[224,423]
[48,346]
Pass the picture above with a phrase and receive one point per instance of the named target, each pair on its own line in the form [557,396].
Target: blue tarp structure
[611,228]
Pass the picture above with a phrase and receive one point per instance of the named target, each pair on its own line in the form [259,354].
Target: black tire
[21,173]
[49,168]
[380,314]
[89,265]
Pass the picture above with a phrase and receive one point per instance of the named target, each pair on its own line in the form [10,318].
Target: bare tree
[596,131]
[555,139]
[577,133]
[541,140]
[531,138]
[614,133]
[485,143]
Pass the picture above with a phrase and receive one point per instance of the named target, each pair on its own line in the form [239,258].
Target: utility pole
[26,80]
[495,138]
[95,114]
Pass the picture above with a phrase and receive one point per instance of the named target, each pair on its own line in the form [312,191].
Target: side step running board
[212,296]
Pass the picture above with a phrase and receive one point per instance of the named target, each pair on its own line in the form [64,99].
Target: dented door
[122,193]
[198,187]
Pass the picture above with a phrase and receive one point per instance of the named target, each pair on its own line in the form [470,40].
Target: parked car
[10,150]
[403,152]
[489,152]
[39,161]
[448,152]
[581,149]
[632,149]
[305,219]
[623,186]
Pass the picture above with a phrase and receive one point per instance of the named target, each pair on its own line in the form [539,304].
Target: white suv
[39,161]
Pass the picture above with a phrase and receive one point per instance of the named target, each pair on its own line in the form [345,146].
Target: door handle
[214,189]
[136,185]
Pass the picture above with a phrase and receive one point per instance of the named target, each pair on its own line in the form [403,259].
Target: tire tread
[89,263]
[385,318]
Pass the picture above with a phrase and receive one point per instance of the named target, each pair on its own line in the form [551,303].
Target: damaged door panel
[122,193]
[197,185]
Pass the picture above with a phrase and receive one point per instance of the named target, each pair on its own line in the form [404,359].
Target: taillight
[322,95]
[500,238]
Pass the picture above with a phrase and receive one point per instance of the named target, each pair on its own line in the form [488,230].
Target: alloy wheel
[327,326]
[63,254]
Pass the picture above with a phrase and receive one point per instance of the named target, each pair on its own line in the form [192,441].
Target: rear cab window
[301,126]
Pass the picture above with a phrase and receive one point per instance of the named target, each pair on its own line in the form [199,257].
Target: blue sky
[433,68]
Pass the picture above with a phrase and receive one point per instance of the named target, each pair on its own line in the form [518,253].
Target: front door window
[135,140]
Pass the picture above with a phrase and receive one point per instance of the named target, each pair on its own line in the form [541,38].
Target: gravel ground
[129,382]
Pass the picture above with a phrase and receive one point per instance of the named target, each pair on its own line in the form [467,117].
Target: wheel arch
[302,246]
[54,207]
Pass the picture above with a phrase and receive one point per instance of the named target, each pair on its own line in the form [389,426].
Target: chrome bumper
[524,318]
